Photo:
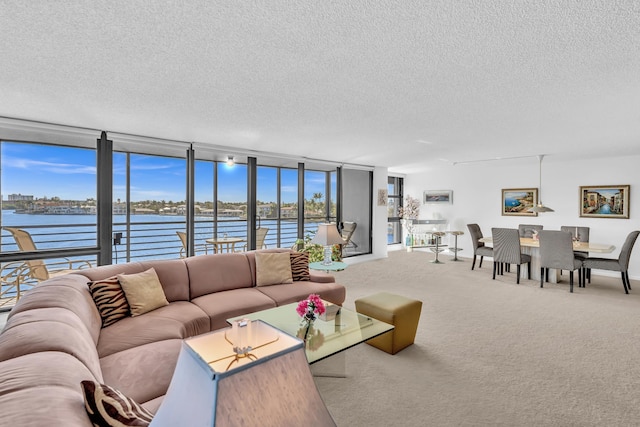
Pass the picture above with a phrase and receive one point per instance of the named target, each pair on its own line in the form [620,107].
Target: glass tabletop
[325,337]
[334,266]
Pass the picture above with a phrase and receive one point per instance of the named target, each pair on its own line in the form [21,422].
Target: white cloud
[60,168]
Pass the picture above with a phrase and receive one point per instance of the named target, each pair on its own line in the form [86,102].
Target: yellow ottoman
[403,313]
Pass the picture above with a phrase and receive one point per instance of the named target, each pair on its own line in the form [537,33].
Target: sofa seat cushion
[49,329]
[180,319]
[221,306]
[142,373]
[31,397]
[297,291]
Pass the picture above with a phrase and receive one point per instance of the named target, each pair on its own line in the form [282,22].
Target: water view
[148,236]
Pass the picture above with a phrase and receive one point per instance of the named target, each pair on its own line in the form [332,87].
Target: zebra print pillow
[300,266]
[107,406]
[110,300]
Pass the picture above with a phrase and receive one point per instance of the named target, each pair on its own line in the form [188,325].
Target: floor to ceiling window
[394,203]
[319,199]
[267,203]
[288,206]
[153,208]
[148,205]
[48,205]
[356,208]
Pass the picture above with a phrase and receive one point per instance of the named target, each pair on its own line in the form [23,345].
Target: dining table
[531,246]
[225,242]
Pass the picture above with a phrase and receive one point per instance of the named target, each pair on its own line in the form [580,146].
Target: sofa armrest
[321,277]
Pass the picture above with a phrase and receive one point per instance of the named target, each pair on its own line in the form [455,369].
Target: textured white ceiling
[404,84]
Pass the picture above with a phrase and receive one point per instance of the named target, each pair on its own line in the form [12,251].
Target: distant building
[265,211]
[144,211]
[19,198]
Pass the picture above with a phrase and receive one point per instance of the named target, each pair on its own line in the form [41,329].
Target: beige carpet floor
[492,353]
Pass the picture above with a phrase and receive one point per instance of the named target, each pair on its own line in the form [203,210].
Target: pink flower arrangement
[310,307]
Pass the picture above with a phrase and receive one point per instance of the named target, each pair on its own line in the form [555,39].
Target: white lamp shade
[276,389]
[327,235]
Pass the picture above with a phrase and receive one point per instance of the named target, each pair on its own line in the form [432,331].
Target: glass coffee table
[326,337]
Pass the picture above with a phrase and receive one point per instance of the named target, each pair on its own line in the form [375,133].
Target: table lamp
[212,386]
[327,236]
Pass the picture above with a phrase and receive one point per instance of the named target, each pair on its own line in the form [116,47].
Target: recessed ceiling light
[422,141]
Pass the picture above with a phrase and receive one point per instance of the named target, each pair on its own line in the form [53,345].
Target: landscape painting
[438,196]
[604,201]
[518,201]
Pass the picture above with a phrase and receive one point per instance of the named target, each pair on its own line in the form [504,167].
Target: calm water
[147,232]
[510,202]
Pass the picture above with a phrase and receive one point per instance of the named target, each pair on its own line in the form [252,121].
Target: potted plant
[316,251]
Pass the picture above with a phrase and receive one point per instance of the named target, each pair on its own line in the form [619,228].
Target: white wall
[379,226]
[477,197]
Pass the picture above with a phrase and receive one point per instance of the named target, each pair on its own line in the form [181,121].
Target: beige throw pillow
[143,291]
[273,268]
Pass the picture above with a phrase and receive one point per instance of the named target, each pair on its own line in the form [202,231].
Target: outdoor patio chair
[346,233]
[261,234]
[25,274]
[198,247]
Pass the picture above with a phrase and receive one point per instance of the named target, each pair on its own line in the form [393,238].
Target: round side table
[334,266]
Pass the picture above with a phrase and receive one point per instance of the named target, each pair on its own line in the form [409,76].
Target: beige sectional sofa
[54,337]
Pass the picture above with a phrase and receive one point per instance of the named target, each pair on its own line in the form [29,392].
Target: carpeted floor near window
[492,353]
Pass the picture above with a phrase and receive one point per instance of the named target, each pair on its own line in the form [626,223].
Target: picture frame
[517,201]
[604,201]
[437,197]
[382,197]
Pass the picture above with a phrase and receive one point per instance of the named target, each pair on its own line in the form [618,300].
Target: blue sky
[70,174]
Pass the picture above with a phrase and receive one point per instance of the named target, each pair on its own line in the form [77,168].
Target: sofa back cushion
[172,274]
[49,329]
[69,292]
[42,389]
[220,272]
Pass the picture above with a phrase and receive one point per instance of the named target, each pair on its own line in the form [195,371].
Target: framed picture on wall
[382,197]
[604,201]
[437,196]
[518,201]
